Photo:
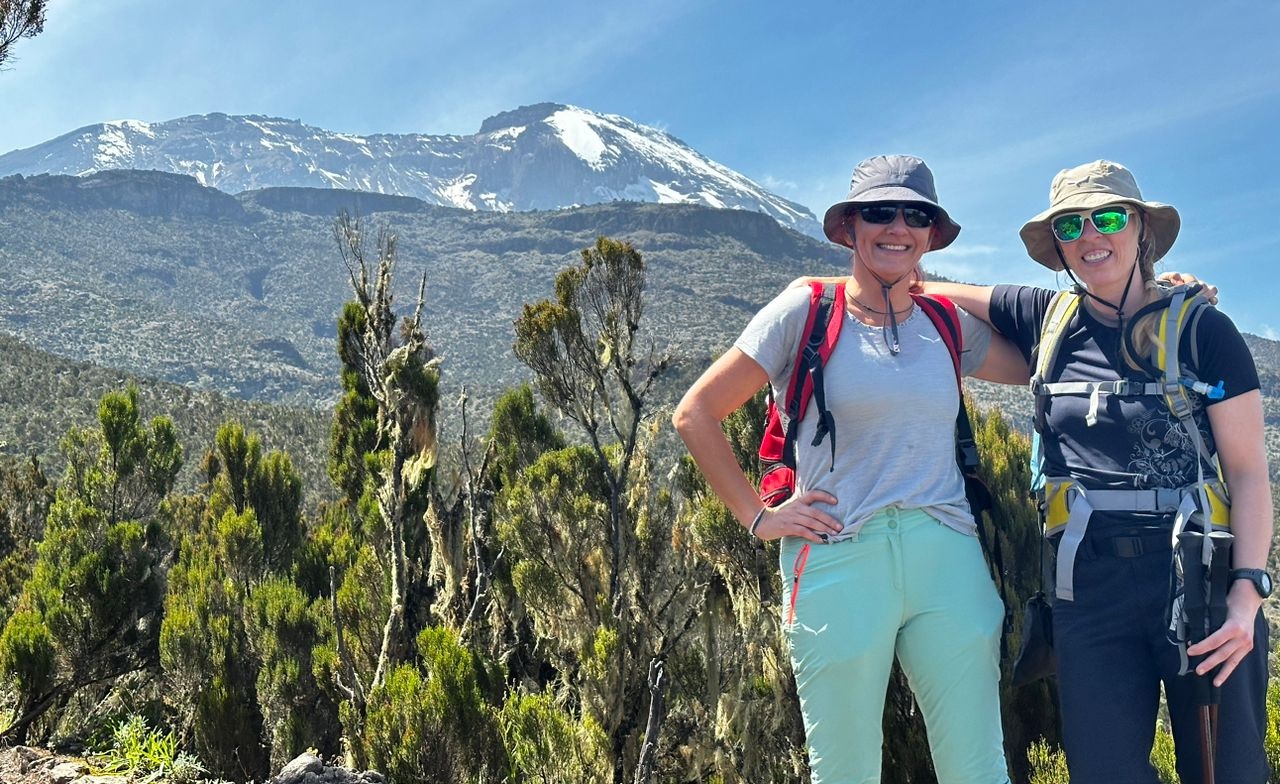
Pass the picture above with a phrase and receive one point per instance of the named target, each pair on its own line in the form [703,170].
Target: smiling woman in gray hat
[879,515]
[1148,410]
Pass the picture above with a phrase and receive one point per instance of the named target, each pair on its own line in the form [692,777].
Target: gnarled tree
[383,456]
[591,537]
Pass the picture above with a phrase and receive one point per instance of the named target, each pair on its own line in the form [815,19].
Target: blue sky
[997,96]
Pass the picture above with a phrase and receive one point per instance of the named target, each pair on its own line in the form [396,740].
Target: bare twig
[657,689]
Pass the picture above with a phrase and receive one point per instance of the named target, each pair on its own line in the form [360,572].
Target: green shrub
[27,653]
[1047,765]
[1163,758]
[1272,740]
[93,594]
[430,723]
[548,745]
[143,753]
[284,628]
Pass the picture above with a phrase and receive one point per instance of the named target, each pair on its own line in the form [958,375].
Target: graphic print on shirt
[1163,455]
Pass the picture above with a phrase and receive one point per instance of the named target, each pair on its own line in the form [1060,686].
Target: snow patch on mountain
[577,134]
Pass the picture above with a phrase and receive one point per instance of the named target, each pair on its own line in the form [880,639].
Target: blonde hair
[1144,329]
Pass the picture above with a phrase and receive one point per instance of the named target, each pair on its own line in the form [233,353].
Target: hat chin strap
[891,323]
[1124,297]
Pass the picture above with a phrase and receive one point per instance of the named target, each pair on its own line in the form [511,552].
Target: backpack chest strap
[1095,390]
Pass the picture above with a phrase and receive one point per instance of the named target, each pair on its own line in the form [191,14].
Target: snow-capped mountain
[545,156]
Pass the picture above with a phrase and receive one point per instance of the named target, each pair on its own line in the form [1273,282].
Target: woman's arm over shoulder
[975,299]
[1012,311]
[988,355]
[805,280]
[1004,364]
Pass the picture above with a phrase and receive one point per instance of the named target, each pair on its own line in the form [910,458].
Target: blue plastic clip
[1213,393]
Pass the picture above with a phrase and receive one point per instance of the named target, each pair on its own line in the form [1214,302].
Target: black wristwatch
[1259,577]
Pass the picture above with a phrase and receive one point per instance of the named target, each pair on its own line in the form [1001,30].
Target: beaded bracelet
[755,522]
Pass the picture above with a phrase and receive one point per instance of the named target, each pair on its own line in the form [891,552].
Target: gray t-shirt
[895,415]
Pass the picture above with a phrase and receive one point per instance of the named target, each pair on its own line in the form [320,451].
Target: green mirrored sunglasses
[1107,220]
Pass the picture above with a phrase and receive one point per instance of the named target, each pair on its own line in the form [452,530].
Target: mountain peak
[536,157]
[521,117]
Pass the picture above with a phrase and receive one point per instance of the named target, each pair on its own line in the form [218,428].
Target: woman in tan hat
[879,515]
[1147,403]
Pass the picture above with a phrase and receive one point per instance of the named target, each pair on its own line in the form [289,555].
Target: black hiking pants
[1113,654]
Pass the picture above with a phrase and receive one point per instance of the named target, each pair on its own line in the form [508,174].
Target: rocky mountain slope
[541,157]
[157,275]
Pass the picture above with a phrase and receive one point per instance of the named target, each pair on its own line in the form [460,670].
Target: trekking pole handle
[1195,604]
[1219,580]
[1194,588]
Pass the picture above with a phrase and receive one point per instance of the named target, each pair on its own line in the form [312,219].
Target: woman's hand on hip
[799,517]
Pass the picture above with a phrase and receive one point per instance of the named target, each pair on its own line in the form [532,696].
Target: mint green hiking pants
[906,586]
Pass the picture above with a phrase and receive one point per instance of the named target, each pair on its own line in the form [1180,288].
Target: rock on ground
[310,769]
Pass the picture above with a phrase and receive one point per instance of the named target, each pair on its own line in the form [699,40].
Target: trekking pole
[1217,583]
[1194,555]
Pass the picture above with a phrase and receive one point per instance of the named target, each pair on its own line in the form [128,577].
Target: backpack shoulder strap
[1053,329]
[822,330]
[1062,308]
[820,334]
[942,312]
[1044,355]
[1185,306]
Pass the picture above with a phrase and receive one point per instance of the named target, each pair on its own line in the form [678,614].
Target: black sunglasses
[914,215]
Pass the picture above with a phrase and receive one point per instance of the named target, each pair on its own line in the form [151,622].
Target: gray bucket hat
[1087,187]
[882,178]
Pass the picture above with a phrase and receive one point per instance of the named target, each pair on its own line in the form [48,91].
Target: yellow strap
[1056,508]
[1058,502]
[1061,308]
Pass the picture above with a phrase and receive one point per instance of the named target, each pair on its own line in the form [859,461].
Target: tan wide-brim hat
[1088,187]
[894,179]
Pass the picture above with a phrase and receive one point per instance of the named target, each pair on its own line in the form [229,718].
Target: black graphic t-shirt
[1136,442]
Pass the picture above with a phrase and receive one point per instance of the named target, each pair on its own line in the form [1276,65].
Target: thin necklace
[870,309]
[889,327]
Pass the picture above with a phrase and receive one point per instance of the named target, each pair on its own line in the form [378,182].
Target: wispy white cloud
[1269,332]
[1066,131]
[777,184]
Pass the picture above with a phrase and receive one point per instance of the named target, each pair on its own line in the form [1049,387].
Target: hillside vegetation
[42,396]
[538,592]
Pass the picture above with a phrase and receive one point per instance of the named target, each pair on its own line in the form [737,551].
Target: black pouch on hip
[1036,658]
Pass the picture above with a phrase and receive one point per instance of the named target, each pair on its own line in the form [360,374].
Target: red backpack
[822,329]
